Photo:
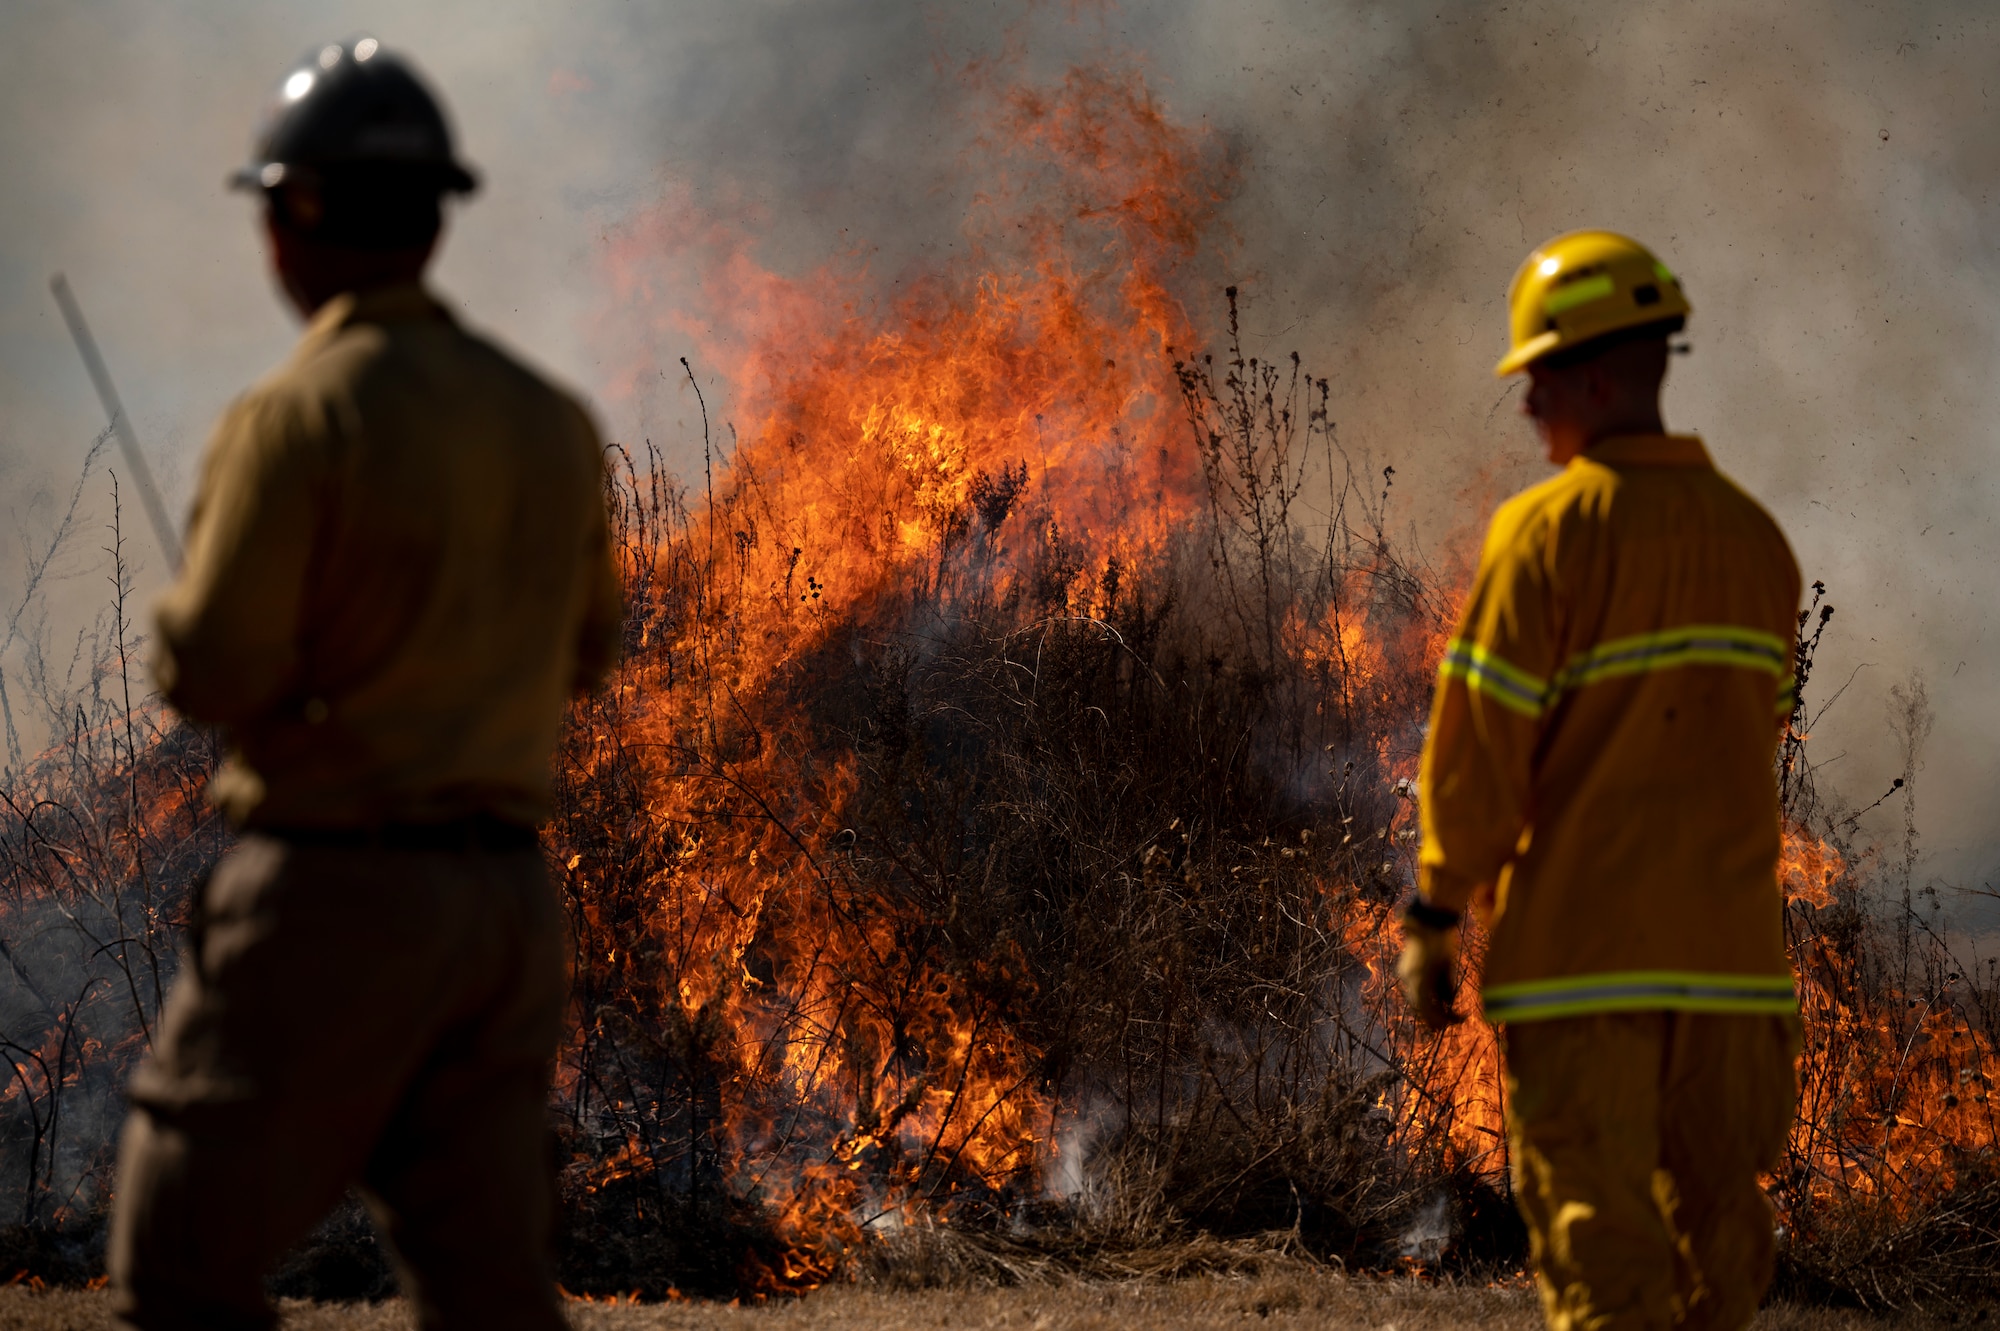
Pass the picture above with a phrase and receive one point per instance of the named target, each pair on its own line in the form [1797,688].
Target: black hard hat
[349,106]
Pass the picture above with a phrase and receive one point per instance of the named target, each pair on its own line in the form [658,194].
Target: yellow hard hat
[1581,286]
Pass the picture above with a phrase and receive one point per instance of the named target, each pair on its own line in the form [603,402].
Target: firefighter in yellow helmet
[1598,785]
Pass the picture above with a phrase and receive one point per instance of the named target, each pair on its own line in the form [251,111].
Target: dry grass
[1132,823]
[1131,818]
[1302,1297]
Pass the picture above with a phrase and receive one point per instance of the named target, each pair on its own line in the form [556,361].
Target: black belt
[481,832]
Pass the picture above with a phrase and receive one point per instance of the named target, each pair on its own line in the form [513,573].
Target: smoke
[1430,1230]
[1817,172]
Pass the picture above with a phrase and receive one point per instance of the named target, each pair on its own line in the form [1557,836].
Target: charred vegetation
[983,862]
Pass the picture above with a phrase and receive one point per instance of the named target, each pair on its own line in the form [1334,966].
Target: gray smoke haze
[1819,173]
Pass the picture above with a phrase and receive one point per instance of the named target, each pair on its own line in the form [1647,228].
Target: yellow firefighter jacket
[398,569]
[1602,741]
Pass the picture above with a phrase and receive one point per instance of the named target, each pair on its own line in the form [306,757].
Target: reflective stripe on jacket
[1601,742]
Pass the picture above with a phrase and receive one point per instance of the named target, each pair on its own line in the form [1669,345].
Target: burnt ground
[1301,1299]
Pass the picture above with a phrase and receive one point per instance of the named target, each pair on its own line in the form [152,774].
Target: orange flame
[1019,401]
[1896,1078]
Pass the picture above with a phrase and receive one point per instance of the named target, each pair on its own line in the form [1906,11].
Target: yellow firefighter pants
[1637,1139]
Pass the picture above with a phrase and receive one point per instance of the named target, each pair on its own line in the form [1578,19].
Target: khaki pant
[1637,1141]
[345,1016]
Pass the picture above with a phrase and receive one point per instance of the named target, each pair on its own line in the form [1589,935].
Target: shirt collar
[1648,450]
[404,302]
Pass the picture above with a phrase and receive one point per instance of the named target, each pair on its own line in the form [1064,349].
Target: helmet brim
[1527,353]
[453,177]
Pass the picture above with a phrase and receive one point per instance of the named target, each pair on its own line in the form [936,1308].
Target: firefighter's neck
[312,274]
[1617,393]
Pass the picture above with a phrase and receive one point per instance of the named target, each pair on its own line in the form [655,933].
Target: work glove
[1428,969]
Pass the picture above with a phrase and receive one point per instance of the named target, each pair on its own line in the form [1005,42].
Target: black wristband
[1420,912]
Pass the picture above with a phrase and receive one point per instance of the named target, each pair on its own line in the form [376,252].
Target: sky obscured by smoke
[1821,174]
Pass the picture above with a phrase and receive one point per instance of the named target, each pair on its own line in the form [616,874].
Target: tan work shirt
[1602,741]
[398,571]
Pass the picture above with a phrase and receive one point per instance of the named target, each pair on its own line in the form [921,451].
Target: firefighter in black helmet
[354,108]
[398,571]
